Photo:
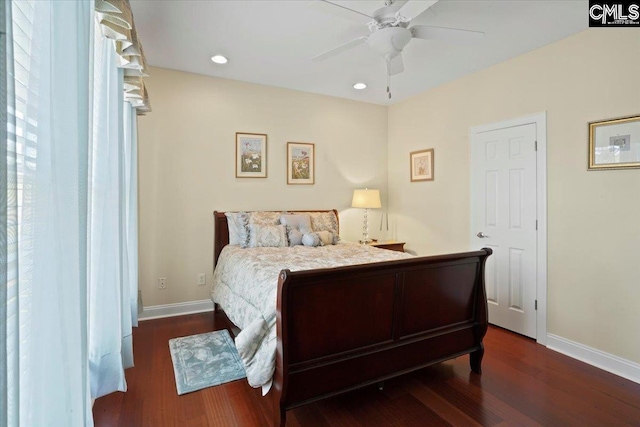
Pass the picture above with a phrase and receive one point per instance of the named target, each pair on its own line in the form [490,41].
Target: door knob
[481,235]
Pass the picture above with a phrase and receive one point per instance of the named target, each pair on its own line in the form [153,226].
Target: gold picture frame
[301,159]
[251,155]
[421,165]
[614,144]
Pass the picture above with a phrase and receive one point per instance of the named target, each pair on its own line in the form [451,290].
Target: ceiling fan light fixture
[219,59]
[360,86]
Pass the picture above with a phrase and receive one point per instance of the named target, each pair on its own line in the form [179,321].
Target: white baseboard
[605,361]
[177,309]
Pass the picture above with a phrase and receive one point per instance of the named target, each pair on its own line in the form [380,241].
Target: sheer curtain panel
[131,206]
[68,210]
[110,313]
[43,270]
[5,374]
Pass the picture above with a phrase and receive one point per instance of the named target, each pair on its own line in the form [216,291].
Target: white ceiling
[271,42]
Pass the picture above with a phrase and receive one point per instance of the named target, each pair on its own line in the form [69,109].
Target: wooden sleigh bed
[342,328]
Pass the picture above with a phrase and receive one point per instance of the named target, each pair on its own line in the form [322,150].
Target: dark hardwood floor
[523,384]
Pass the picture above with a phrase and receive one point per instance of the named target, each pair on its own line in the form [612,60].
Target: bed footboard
[344,328]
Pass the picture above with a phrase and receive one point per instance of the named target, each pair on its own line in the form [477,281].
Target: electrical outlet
[202,279]
[162,283]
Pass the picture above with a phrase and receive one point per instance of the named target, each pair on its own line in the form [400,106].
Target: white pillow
[238,232]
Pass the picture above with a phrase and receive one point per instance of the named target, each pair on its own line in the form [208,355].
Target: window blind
[21,140]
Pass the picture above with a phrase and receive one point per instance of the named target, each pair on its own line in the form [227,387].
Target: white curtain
[112,230]
[5,343]
[44,219]
[130,205]
[68,215]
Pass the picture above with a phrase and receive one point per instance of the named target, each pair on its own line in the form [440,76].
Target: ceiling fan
[389,30]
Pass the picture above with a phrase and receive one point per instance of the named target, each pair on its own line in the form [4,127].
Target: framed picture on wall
[300,163]
[614,144]
[251,155]
[421,165]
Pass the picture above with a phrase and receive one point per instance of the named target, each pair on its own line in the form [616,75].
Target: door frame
[540,120]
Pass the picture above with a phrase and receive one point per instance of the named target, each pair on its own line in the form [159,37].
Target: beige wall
[187,170]
[593,217]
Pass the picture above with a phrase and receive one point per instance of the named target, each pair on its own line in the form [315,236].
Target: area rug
[205,360]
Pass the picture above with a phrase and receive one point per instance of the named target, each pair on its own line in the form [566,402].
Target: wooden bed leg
[215,307]
[475,358]
[279,417]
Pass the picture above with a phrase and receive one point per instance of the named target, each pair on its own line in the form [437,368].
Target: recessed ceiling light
[219,59]
[359,86]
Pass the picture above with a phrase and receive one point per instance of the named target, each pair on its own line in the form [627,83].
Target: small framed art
[614,144]
[251,155]
[421,165]
[300,163]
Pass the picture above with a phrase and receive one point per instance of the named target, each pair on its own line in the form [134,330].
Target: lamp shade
[368,199]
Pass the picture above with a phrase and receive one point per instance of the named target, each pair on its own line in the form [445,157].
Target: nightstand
[390,245]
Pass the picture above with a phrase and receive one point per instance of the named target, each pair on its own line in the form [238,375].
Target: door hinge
[536,224]
[536,145]
[536,304]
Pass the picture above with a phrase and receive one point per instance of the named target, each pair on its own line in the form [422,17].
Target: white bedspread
[245,283]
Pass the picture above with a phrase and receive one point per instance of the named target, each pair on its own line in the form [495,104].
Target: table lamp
[366,199]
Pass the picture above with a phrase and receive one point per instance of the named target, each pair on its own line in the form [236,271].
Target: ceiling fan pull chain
[388,82]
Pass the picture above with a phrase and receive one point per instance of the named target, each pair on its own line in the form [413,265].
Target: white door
[503,198]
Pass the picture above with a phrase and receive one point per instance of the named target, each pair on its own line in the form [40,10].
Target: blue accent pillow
[311,239]
[298,222]
[297,225]
[295,236]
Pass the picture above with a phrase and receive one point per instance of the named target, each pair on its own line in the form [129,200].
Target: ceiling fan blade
[449,35]
[413,8]
[337,50]
[396,65]
[336,9]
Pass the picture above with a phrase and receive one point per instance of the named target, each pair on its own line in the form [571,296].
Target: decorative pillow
[264,236]
[336,236]
[295,236]
[311,239]
[264,218]
[238,232]
[261,218]
[298,222]
[328,237]
[321,221]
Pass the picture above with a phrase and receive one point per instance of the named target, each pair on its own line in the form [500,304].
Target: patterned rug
[205,360]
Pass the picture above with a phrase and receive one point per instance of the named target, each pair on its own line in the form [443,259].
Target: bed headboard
[221,230]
